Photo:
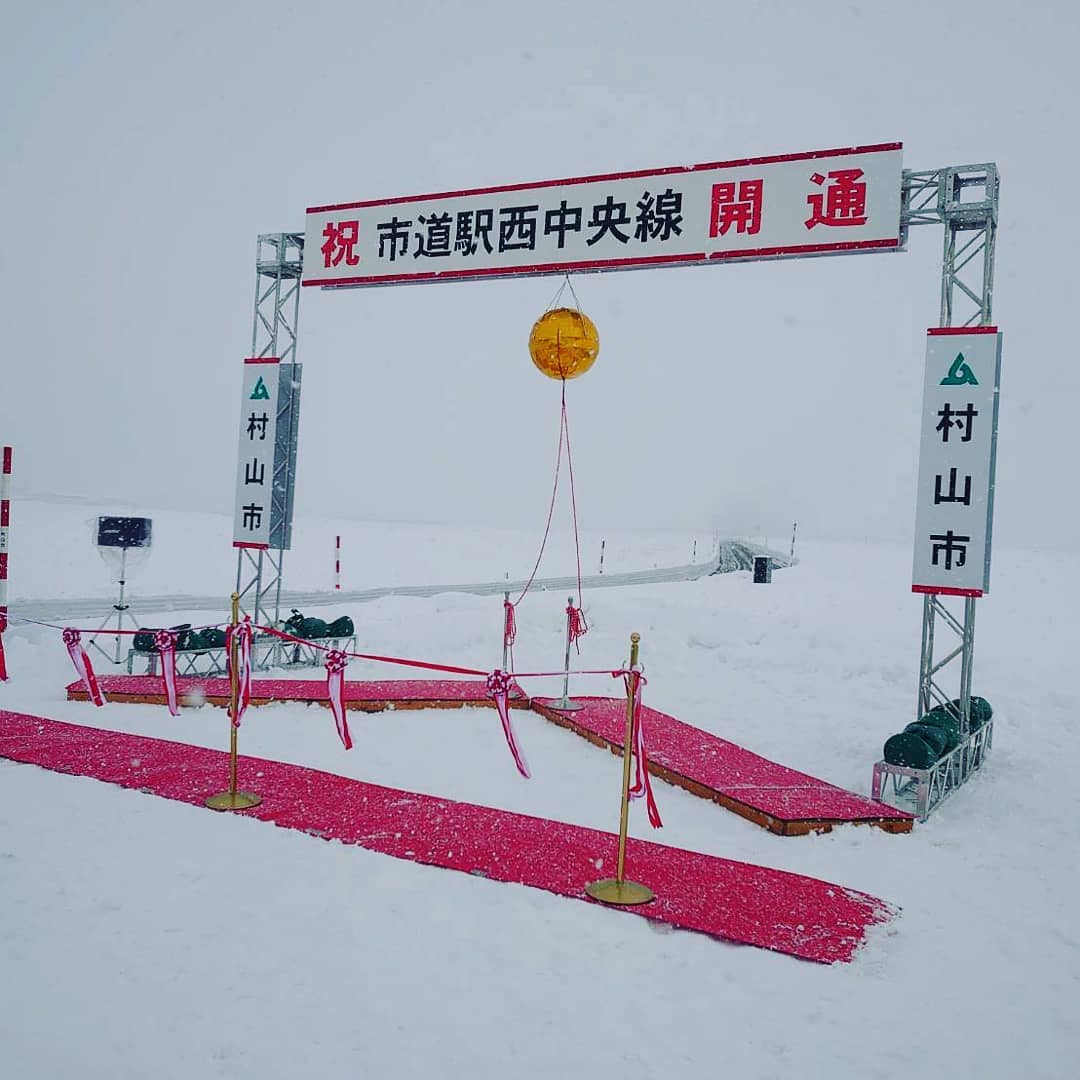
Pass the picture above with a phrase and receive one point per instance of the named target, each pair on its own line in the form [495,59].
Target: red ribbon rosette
[335,663]
[165,643]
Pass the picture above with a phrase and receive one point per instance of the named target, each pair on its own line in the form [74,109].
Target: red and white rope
[371,656]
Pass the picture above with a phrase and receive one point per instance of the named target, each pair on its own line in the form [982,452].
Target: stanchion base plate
[234,800]
[564,705]
[611,891]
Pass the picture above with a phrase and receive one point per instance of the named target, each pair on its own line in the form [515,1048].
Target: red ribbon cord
[73,641]
[551,505]
[113,631]
[3,662]
[336,662]
[378,659]
[499,684]
[642,782]
[573,501]
[564,439]
[165,641]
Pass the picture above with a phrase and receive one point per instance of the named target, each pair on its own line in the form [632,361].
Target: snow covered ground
[144,938]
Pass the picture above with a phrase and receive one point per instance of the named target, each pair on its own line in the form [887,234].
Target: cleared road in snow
[734,555]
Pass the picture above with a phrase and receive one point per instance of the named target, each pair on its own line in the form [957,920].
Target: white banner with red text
[822,202]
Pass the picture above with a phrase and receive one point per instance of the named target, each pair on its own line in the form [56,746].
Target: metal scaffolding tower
[964,199]
[279,261]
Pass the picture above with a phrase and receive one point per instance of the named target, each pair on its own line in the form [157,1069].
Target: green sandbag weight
[944,720]
[934,736]
[909,749]
[979,711]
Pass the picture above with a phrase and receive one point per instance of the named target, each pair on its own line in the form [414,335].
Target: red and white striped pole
[337,562]
[5,517]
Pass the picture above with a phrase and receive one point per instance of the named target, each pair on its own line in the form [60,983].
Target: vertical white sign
[255,460]
[955,501]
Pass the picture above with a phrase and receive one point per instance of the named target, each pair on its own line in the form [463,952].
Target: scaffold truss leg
[963,199]
[278,266]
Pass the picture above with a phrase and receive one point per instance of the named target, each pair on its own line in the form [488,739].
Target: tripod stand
[119,613]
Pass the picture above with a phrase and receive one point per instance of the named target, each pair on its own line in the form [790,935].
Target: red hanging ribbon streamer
[499,685]
[576,626]
[335,664]
[642,783]
[243,634]
[73,641]
[3,661]
[510,626]
[165,641]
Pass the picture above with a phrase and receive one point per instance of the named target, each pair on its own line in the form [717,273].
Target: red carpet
[780,799]
[773,795]
[734,901]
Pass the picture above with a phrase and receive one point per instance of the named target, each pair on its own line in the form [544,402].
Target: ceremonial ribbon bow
[73,641]
[499,685]
[335,664]
[243,634]
[165,641]
[642,784]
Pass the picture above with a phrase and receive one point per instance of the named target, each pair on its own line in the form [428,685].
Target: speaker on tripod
[116,536]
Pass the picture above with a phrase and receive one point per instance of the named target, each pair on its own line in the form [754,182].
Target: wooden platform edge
[779,826]
[775,825]
[373,705]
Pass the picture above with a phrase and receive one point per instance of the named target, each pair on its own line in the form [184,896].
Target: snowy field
[143,938]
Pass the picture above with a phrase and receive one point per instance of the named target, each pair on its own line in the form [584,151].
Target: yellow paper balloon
[564,343]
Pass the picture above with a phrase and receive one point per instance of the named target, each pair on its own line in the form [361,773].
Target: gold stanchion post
[618,890]
[233,799]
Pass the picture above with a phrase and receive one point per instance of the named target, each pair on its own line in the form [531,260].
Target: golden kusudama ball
[564,343]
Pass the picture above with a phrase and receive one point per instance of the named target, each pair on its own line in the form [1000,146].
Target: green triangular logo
[260,393]
[959,374]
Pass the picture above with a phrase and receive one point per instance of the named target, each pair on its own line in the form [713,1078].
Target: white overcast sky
[146,145]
